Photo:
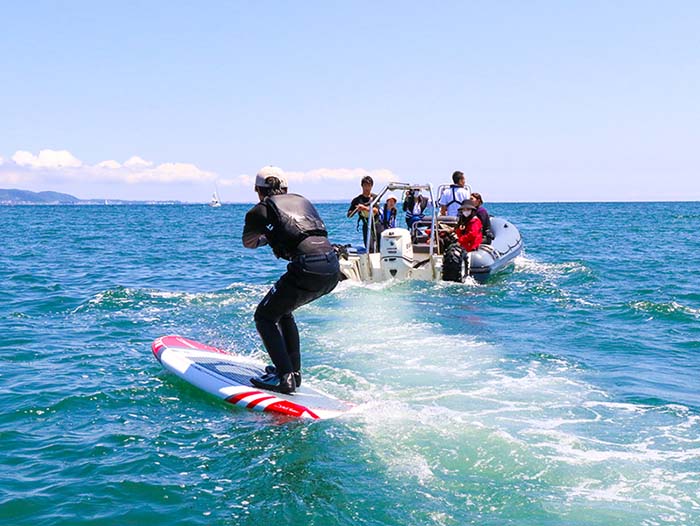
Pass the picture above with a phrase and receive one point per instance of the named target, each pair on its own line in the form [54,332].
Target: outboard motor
[396,253]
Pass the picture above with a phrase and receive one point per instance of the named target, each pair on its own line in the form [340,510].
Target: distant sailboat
[215,201]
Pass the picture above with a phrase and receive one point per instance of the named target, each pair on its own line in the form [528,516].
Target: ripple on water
[561,392]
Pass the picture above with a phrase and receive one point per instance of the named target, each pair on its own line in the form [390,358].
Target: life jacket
[389,219]
[291,219]
[454,200]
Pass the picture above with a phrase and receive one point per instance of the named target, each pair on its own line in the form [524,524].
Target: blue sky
[534,101]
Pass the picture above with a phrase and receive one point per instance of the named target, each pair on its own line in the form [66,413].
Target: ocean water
[563,392]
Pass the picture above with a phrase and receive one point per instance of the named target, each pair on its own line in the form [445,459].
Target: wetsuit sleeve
[254,228]
[353,204]
[485,219]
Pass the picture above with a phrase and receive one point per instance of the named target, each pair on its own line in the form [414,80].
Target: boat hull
[400,258]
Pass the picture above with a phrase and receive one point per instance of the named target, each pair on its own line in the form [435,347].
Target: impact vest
[389,219]
[291,218]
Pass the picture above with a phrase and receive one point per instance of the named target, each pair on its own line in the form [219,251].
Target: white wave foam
[668,308]
[424,394]
[524,263]
[558,426]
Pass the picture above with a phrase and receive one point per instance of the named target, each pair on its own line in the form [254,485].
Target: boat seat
[421,249]
[419,237]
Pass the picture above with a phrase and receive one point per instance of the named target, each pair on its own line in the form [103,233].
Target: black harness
[454,197]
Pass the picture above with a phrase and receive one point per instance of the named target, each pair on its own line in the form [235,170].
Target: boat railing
[441,189]
[371,243]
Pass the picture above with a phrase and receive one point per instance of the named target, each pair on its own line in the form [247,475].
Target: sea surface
[563,392]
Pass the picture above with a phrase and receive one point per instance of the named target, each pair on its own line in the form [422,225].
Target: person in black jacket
[484,216]
[292,227]
[414,204]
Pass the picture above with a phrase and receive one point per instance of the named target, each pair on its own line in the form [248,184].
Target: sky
[533,101]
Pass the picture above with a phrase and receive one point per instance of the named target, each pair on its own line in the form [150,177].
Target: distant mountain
[14,196]
[25,197]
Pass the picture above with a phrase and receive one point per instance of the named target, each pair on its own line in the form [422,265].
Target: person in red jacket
[469,228]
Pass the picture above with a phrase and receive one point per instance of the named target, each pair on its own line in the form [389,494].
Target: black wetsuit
[290,224]
[362,216]
[485,224]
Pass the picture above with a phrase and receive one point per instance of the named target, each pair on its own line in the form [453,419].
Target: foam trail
[498,414]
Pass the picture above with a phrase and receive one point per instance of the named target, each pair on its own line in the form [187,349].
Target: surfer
[292,227]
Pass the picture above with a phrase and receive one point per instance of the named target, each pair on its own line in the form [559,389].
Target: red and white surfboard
[228,376]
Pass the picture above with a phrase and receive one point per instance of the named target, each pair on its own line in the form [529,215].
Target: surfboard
[227,376]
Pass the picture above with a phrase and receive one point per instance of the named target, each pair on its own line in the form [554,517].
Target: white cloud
[46,159]
[12,177]
[137,162]
[169,173]
[110,165]
[320,175]
[341,174]
[57,166]
[60,169]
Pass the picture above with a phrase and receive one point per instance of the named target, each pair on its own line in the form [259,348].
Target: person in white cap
[387,216]
[292,227]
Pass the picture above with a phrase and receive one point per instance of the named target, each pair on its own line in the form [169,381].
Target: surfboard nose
[157,347]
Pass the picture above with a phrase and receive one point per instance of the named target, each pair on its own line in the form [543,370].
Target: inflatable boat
[424,252]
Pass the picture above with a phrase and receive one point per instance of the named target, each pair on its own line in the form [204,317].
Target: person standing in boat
[292,227]
[387,216]
[414,206]
[469,228]
[484,217]
[453,196]
[360,206]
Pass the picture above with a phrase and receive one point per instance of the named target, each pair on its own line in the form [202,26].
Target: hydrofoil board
[228,376]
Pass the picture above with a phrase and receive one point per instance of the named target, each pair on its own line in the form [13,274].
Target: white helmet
[270,171]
